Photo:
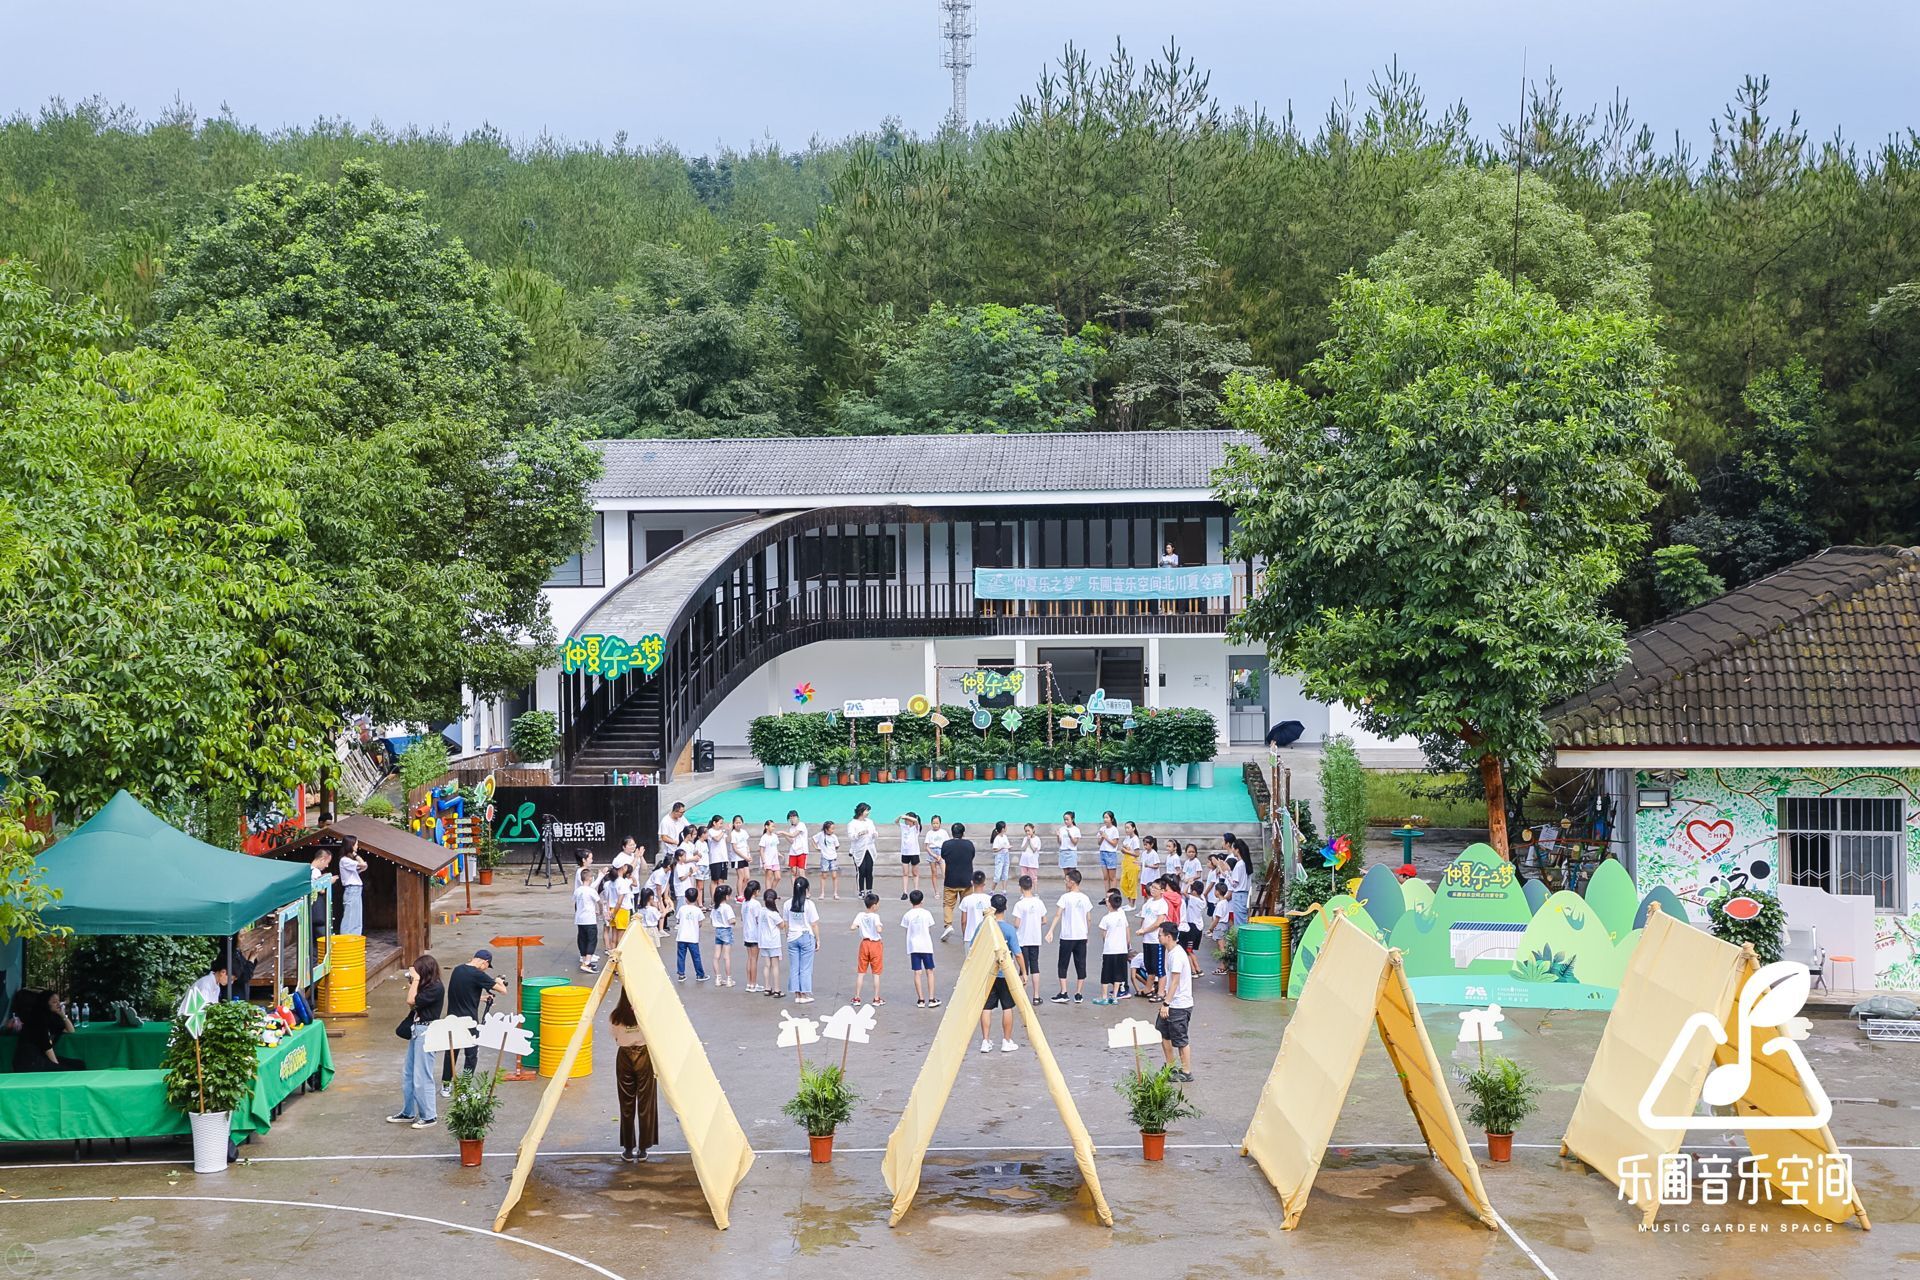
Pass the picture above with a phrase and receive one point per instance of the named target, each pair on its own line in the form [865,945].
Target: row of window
[1849,846]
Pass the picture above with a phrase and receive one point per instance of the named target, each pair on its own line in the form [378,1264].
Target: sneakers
[1184,1077]
[877,1001]
[1123,995]
[681,978]
[626,1153]
[446,1089]
[1059,999]
[402,1118]
[856,1002]
[919,1004]
[1101,1000]
[933,1004]
[700,978]
[946,933]
[423,1124]
[1008,1046]
[903,897]
[986,1046]
[1077,997]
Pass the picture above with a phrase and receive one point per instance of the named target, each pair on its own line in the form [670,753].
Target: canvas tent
[1355,985]
[124,871]
[715,1140]
[907,1145]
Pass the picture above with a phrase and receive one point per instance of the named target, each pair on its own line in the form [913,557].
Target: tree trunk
[1494,782]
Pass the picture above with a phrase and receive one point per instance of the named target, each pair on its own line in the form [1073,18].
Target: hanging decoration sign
[1101,705]
[611,657]
[1129,724]
[1010,720]
[1183,583]
[1068,722]
[939,720]
[803,693]
[918,705]
[989,682]
[869,708]
[983,719]
[884,727]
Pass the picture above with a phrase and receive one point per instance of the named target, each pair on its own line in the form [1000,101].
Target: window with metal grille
[1846,845]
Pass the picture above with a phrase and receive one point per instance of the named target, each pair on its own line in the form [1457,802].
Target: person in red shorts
[872,956]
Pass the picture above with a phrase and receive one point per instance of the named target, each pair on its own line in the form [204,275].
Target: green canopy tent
[124,871]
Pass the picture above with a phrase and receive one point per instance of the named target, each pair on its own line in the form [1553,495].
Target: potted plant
[209,1075]
[824,1103]
[533,737]
[1504,1094]
[1154,1100]
[763,739]
[864,762]
[1230,958]
[491,854]
[476,1101]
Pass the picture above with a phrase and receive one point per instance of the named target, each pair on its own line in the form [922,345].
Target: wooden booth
[399,888]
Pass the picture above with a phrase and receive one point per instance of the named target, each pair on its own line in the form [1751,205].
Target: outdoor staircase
[628,740]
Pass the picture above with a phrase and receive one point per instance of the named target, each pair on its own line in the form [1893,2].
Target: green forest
[1017,277]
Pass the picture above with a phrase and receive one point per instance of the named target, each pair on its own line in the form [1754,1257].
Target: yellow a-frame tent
[1355,983]
[1677,973]
[907,1146]
[721,1155]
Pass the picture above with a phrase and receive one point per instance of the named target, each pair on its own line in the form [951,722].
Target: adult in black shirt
[470,988]
[956,855]
[42,1022]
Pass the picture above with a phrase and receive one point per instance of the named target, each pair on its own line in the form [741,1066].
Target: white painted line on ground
[594,1267]
[1532,1257]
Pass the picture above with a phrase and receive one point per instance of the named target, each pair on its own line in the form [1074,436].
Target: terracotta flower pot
[966,773]
[470,1152]
[926,773]
[486,875]
[1057,773]
[820,1147]
[1499,1147]
[866,776]
[1153,1146]
[1233,982]
[825,779]
[846,778]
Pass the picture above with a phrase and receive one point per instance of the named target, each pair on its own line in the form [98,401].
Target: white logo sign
[1477,1025]
[849,1023]
[866,708]
[1771,999]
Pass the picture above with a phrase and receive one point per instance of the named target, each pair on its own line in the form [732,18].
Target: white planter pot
[770,777]
[210,1136]
[1177,776]
[802,774]
[784,775]
[1200,773]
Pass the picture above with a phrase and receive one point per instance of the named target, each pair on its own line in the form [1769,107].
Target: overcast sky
[732,72]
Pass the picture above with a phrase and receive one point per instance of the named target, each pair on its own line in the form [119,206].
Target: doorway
[1247,680]
[1077,672]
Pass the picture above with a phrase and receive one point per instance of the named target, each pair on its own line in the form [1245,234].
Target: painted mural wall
[1723,830]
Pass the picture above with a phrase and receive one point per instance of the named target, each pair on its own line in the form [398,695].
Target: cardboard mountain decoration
[1693,1008]
[717,1143]
[907,1145]
[1356,984]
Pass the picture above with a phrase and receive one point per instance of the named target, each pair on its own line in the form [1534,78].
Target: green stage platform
[981,803]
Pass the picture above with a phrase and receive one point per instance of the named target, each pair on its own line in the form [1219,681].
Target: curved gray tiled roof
[1822,653]
[801,466]
[634,607]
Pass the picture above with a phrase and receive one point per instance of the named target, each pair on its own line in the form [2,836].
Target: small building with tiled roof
[1770,740]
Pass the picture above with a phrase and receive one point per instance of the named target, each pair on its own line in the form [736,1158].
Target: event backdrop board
[596,818]
[59,1106]
[105,1046]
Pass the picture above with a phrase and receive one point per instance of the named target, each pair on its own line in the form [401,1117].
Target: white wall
[837,669]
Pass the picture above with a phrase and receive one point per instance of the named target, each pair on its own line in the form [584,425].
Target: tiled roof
[1822,653]
[881,466]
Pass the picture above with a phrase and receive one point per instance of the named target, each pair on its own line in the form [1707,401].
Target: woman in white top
[1068,836]
[862,843]
[352,865]
[634,1080]
[803,940]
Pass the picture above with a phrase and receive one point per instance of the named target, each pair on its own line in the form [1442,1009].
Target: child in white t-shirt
[1153,863]
[686,934]
[974,908]
[918,925]
[796,842]
[1070,915]
[1113,950]
[1153,909]
[1030,860]
[723,919]
[827,845]
[1029,923]
[770,855]
[1002,846]
[871,958]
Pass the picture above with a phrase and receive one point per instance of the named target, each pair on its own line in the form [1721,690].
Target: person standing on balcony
[1169,558]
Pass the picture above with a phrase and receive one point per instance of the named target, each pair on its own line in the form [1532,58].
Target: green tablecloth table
[105,1046]
[62,1106]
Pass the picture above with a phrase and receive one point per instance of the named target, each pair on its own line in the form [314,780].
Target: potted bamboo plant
[1504,1094]
[211,1074]
[824,1103]
[1154,1100]
[1230,958]
[476,1101]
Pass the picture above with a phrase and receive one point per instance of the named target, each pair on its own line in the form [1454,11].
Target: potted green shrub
[1230,958]
[824,1103]
[763,740]
[865,760]
[209,1076]
[1504,1094]
[1154,1100]
[533,737]
[1749,915]
[491,855]
[470,1116]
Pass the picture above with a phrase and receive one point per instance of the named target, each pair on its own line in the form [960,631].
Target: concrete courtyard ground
[333,1191]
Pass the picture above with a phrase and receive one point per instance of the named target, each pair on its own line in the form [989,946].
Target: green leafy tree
[1440,525]
[1167,364]
[986,368]
[1757,502]
[1682,578]
[375,346]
